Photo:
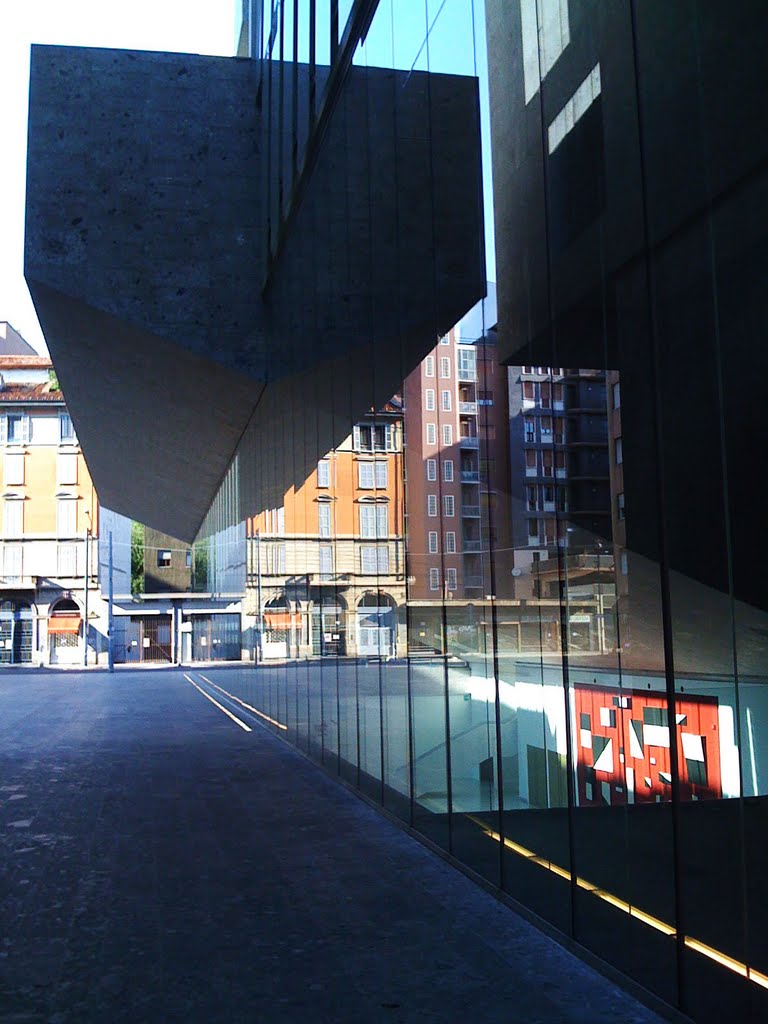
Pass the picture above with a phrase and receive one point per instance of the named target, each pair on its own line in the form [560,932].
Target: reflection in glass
[506,593]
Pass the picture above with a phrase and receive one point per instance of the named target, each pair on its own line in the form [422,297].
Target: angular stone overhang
[147,199]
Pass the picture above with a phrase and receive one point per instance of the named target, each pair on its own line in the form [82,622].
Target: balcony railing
[473,581]
[470,476]
[467,375]
[471,546]
[469,442]
[470,511]
[468,408]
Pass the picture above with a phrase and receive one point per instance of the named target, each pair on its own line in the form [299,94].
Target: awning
[281,620]
[64,624]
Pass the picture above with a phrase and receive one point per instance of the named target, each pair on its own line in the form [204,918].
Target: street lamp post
[110,618]
[87,573]
[259,616]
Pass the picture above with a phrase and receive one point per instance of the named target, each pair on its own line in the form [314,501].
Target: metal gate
[16,633]
[216,637]
[329,636]
[147,638]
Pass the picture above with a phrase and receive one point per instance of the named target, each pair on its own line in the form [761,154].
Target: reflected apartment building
[561,507]
[456,425]
[579,707]
[326,568]
[50,520]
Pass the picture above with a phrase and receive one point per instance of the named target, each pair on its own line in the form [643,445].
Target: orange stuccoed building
[326,569]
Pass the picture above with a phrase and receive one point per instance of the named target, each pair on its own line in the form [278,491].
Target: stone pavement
[159,864]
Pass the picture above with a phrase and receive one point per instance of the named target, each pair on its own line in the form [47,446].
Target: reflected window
[432,547]
[66,429]
[66,517]
[434,579]
[16,428]
[374,520]
[12,562]
[326,561]
[431,469]
[14,469]
[324,473]
[324,520]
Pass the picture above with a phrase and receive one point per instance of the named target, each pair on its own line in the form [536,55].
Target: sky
[185,26]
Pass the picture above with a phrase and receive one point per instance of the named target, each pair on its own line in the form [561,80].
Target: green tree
[137,558]
[200,567]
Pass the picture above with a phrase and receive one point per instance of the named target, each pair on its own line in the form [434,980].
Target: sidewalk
[163,865]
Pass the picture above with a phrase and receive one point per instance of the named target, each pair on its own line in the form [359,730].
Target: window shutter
[368,560]
[383,560]
[367,521]
[3,429]
[381,474]
[389,431]
[356,438]
[382,520]
[25,429]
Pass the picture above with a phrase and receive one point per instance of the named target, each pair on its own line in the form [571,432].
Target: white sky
[184,26]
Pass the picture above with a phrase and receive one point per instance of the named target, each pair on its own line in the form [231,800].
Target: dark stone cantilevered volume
[147,203]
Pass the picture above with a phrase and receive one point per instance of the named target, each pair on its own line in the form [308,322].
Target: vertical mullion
[334,29]
[281,116]
[295,127]
[312,63]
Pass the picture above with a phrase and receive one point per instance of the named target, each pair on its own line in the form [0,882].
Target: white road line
[219,706]
[256,711]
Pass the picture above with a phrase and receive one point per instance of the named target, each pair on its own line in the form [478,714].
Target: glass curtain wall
[512,590]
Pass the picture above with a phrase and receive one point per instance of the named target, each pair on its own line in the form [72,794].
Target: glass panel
[521,604]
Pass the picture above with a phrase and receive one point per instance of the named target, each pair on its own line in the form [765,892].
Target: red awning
[281,620]
[64,624]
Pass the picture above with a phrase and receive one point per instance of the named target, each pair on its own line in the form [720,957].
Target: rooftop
[13,392]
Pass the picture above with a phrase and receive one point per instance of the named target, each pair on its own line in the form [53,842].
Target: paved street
[162,864]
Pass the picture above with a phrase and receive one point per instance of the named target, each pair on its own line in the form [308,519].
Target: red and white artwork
[623,746]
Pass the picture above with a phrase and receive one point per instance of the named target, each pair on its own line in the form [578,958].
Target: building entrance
[329,635]
[64,627]
[16,632]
